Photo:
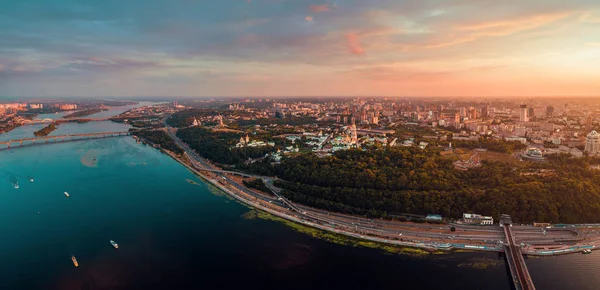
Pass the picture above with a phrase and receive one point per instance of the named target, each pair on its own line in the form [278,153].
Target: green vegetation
[216,146]
[481,263]
[45,131]
[381,183]
[84,113]
[160,138]
[488,143]
[292,121]
[257,184]
[337,238]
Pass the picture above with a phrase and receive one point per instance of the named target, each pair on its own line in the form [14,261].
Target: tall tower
[523,114]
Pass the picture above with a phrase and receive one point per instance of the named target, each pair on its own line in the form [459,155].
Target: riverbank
[413,237]
[394,246]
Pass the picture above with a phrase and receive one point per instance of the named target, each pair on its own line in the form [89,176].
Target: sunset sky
[299,48]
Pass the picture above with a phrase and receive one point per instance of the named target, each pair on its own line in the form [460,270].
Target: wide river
[176,232]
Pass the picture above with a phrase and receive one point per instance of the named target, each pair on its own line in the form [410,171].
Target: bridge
[514,257]
[62,120]
[60,139]
[37,121]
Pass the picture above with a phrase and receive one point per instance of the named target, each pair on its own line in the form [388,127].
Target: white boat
[114,244]
[586,251]
[16,184]
[31,179]
[67,194]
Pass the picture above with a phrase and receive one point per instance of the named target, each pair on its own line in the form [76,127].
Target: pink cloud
[319,8]
[353,44]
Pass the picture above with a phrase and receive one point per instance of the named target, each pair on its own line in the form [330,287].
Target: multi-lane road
[490,236]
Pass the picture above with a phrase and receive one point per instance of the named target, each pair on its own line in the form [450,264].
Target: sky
[53,48]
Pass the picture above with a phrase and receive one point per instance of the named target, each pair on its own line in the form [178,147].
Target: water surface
[174,234]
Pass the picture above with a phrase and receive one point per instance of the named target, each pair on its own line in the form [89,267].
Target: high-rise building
[530,113]
[472,113]
[523,114]
[592,143]
[588,123]
[485,111]
[549,111]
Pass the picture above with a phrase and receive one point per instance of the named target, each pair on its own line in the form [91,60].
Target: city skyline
[299,48]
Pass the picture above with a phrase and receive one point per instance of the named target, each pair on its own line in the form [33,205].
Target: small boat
[586,251]
[114,244]
[67,194]
[74,261]
[31,179]
[16,185]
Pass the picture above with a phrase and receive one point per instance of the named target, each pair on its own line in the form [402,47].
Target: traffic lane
[344,223]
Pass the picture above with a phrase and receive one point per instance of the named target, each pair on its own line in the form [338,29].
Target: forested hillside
[409,180]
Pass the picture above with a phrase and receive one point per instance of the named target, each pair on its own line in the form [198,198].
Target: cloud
[319,8]
[402,74]
[353,44]
[98,64]
[57,39]
[589,18]
[509,26]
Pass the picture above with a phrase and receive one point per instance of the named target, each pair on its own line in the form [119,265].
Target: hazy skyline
[307,48]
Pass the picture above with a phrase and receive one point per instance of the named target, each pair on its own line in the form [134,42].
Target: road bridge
[60,139]
[514,257]
[62,120]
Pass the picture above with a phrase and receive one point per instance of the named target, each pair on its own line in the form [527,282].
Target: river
[176,232]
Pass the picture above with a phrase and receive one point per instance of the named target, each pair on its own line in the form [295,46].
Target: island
[45,131]
[84,113]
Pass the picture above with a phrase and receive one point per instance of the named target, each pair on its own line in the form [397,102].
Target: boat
[114,244]
[74,261]
[67,194]
[31,179]
[586,251]
[16,185]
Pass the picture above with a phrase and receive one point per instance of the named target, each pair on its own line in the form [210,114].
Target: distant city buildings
[35,106]
[66,107]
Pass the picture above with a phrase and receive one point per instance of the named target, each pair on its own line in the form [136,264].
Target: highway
[490,235]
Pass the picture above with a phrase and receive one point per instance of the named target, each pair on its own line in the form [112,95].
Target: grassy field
[340,239]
